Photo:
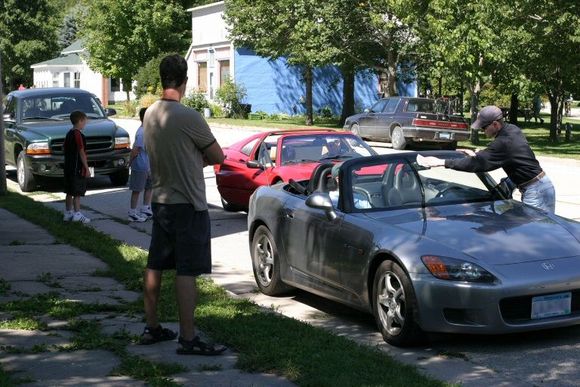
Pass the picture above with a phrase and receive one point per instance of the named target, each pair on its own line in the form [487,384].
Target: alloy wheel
[391,303]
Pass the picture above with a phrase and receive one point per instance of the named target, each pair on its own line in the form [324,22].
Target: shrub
[231,96]
[130,108]
[325,112]
[216,110]
[196,100]
[261,114]
[147,78]
[147,100]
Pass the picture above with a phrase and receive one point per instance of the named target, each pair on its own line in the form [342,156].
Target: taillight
[439,124]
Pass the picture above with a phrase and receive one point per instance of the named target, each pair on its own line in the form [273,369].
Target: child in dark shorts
[76,168]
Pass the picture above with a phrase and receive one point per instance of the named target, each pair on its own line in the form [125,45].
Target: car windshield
[317,147]
[59,107]
[398,183]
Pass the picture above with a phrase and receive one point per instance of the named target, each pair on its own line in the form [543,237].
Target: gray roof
[75,47]
[67,60]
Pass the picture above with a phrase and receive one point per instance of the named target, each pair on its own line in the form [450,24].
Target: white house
[272,86]
[70,69]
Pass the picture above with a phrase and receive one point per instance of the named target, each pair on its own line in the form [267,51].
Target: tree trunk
[348,81]
[514,108]
[3,186]
[127,87]
[308,81]
[475,90]
[554,116]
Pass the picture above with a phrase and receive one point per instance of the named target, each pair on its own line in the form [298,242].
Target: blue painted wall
[275,87]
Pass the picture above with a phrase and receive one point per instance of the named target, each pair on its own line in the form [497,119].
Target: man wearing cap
[509,150]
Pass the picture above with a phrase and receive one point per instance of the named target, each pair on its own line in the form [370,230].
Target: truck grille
[94,145]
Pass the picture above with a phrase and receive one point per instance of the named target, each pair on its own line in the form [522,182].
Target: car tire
[229,207]
[395,306]
[24,175]
[266,263]
[119,178]
[452,145]
[398,139]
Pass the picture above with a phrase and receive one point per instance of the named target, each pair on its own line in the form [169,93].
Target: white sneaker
[79,217]
[147,212]
[68,216]
[136,217]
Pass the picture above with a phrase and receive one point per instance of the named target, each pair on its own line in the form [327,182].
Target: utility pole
[3,188]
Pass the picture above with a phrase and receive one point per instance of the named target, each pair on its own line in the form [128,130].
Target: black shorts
[75,185]
[180,240]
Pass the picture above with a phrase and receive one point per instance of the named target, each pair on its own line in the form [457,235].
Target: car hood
[59,129]
[501,232]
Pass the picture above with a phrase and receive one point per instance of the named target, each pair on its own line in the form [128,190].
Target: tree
[27,36]
[290,29]
[123,35]
[552,57]
[70,25]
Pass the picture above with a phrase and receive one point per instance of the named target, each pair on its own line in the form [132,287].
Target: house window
[66,79]
[202,76]
[55,79]
[77,80]
[224,71]
[115,84]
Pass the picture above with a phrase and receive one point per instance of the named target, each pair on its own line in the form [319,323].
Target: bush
[325,112]
[216,110]
[147,78]
[147,100]
[130,108]
[231,96]
[196,100]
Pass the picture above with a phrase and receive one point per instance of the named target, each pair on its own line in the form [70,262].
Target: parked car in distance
[270,157]
[406,120]
[424,250]
[36,122]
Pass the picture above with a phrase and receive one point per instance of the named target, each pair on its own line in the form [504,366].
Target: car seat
[315,177]
[405,188]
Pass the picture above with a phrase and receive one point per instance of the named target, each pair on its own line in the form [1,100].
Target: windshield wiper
[337,157]
[37,118]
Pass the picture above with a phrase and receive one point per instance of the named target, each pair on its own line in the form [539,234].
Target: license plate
[552,305]
[445,136]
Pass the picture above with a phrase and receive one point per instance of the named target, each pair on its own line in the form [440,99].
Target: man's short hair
[77,116]
[173,71]
[142,113]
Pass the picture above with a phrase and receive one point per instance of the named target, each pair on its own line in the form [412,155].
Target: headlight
[451,269]
[122,142]
[38,148]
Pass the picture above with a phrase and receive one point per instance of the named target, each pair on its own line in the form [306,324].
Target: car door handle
[288,213]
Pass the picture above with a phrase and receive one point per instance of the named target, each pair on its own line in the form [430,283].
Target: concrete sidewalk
[35,263]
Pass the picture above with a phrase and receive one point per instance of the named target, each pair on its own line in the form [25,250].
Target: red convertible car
[270,157]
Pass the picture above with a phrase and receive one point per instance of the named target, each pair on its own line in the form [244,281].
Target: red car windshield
[314,148]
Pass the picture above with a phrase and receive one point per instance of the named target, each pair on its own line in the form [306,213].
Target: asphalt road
[539,358]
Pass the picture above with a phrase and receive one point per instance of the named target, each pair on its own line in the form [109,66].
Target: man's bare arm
[213,154]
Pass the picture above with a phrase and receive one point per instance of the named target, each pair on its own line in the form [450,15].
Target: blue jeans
[540,194]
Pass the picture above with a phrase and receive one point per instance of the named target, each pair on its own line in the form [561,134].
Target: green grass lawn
[265,341]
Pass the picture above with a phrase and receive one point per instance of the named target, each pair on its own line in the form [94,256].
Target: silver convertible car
[424,250]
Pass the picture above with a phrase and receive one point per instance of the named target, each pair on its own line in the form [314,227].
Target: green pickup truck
[36,122]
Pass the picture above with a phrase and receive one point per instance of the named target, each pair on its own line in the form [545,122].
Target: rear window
[421,105]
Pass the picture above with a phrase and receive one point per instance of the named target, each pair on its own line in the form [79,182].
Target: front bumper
[447,306]
[104,164]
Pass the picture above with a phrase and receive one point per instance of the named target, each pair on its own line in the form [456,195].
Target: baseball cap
[486,116]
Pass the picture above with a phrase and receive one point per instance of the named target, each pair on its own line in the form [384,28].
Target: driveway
[538,358]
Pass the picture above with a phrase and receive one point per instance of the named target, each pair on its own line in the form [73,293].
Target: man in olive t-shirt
[180,144]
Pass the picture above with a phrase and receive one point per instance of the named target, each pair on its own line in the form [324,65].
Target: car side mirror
[321,201]
[111,112]
[254,164]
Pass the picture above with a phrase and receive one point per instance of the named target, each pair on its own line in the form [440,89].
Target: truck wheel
[24,175]
[119,178]
[398,139]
